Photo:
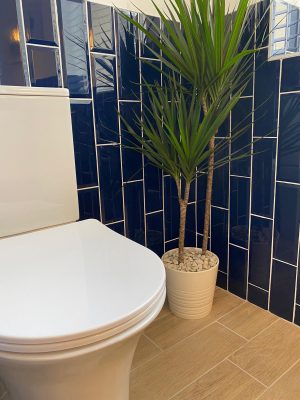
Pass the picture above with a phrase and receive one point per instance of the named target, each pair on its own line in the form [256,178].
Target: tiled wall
[256,202]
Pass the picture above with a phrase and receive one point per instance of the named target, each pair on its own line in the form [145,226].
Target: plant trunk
[209,185]
[183,203]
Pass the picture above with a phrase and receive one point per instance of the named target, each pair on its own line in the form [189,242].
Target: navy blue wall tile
[219,234]
[72,20]
[240,140]
[289,139]
[266,95]
[224,130]
[237,282]
[117,227]
[153,187]
[131,160]
[128,59]
[260,251]
[258,296]
[148,46]
[222,280]
[11,64]
[200,241]
[171,207]
[89,204]
[263,177]
[101,28]
[134,211]
[110,183]
[282,290]
[239,210]
[44,67]
[190,232]
[84,144]
[287,218]
[105,99]
[151,76]
[221,174]
[297,315]
[201,193]
[173,244]
[39,19]
[154,231]
[262,29]
[290,78]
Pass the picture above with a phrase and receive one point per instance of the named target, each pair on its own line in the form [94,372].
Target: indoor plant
[208,50]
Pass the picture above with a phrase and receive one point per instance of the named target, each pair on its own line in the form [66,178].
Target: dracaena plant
[204,45]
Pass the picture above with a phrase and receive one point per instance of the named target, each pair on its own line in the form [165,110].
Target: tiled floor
[238,352]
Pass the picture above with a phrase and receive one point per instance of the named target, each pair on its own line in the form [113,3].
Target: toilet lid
[72,281]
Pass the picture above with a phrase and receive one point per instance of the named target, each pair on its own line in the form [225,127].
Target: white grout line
[291,92]
[297,272]
[232,331]
[47,46]
[133,181]
[171,240]
[240,176]
[56,24]
[153,342]
[240,247]
[115,222]
[261,216]
[154,212]
[246,372]
[108,144]
[220,208]
[284,262]
[99,53]
[258,287]
[87,188]
[275,187]
[93,107]
[129,101]
[288,183]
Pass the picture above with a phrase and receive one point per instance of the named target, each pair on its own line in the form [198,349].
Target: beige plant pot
[190,294]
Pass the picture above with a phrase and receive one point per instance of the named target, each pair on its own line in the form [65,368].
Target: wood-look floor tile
[226,381]
[145,351]
[166,374]
[164,311]
[286,388]
[248,320]
[169,330]
[271,353]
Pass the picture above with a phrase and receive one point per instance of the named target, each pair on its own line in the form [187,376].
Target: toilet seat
[75,285]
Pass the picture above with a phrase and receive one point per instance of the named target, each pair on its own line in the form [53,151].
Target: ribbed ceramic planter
[190,294]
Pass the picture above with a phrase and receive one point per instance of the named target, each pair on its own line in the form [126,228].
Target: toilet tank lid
[33,91]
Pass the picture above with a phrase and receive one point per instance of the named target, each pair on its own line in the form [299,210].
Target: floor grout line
[153,342]
[231,330]
[246,372]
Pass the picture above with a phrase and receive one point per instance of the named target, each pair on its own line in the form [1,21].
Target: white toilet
[74,296]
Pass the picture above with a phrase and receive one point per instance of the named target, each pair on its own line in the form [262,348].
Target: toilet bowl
[74,296]
[74,300]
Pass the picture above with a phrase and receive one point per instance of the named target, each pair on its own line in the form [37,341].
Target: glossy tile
[266,95]
[155,234]
[110,183]
[11,58]
[134,211]
[72,20]
[219,234]
[105,99]
[44,67]
[148,47]
[222,280]
[117,227]
[290,78]
[225,381]
[101,28]
[128,58]
[262,29]
[183,363]
[224,130]
[84,144]
[289,139]
[171,209]
[40,21]
[241,137]
[297,315]
[239,210]
[153,187]
[131,160]
[287,387]
[263,177]
[145,351]
[150,73]
[173,244]
[89,204]
[283,287]
[286,229]
[221,174]
[238,260]
[248,320]
[260,251]
[201,193]
[258,296]
[271,353]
